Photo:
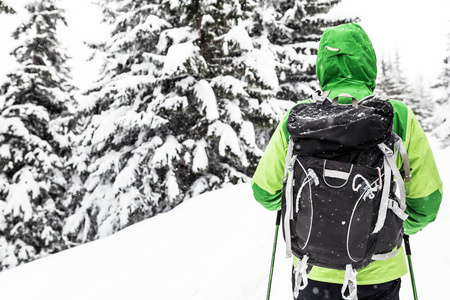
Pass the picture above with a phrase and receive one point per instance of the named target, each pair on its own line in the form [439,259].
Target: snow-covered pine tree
[385,82]
[441,96]
[174,112]
[421,102]
[291,30]
[391,82]
[33,140]
[6,8]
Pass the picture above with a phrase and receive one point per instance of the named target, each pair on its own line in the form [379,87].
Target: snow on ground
[214,246]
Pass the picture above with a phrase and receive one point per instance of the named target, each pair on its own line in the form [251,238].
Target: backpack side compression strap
[289,198]
[386,202]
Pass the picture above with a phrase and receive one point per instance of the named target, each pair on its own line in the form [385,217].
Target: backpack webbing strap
[386,202]
[384,197]
[395,207]
[288,214]
[301,278]
[385,256]
[350,284]
[288,158]
[289,198]
[399,179]
[401,148]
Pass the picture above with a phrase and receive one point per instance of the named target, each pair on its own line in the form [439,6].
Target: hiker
[346,63]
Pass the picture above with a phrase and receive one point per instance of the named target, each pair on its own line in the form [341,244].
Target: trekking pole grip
[278,221]
[407,244]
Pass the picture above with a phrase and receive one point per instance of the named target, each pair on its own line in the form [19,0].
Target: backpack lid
[318,128]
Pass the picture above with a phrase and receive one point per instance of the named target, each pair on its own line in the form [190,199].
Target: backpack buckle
[385,149]
[319,96]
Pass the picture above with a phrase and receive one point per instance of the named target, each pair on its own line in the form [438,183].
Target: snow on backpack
[341,205]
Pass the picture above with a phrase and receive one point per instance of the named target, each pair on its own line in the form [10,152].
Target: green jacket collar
[355,88]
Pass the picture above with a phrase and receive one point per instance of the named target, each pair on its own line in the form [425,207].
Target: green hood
[346,62]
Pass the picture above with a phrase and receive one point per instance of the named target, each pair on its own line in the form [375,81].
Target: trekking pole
[277,226]
[411,271]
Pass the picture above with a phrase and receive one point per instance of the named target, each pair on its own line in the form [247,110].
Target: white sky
[416,29]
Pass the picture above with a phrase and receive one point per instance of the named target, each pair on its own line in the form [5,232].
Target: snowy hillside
[215,246]
[210,247]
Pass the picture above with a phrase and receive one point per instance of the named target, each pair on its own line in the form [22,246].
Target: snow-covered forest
[186,96]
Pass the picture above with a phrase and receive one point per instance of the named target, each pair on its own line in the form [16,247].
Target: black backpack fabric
[341,207]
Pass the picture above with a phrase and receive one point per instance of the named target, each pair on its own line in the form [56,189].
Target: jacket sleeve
[424,192]
[267,180]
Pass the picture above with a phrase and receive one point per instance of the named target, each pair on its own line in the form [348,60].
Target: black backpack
[341,207]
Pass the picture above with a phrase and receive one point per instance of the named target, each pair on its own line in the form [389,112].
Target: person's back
[346,63]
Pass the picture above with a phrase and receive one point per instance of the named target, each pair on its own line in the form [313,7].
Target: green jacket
[346,62]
